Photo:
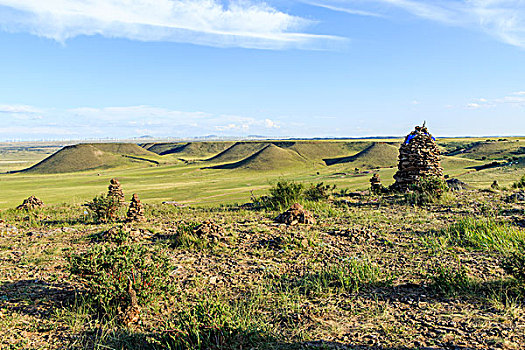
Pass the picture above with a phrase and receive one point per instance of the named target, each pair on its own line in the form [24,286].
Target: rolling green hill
[84,157]
[270,157]
[190,150]
[377,155]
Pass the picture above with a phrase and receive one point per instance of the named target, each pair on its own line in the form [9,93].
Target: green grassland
[210,173]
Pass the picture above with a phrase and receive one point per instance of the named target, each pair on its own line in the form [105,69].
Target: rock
[296,215]
[419,157]
[456,185]
[135,211]
[115,191]
[132,313]
[30,204]
[209,230]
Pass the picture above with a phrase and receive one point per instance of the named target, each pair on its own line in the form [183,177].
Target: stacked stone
[296,215]
[30,204]
[135,211]
[418,158]
[375,184]
[115,191]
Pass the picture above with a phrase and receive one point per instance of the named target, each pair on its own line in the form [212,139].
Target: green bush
[427,190]
[514,262]
[105,272]
[520,183]
[319,192]
[104,208]
[449,280]
[185,238]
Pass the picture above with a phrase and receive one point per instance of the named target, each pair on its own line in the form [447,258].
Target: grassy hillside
[238,152]
[269,158]
[190,150]
[85,157]
[377,155]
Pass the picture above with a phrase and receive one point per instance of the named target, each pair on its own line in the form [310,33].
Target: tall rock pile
[375,184]
[135,211]
[418,158]
[115,191]
[30,204]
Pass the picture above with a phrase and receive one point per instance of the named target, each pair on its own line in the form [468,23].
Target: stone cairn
[375,184]
[418,158]
[115,191]
[135,211]
[296,215]
[495,185]
[30,204]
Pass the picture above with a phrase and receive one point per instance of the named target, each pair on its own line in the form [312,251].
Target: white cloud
[239,23]
[513,99]
[473,105]
[503,19]
[15,109]
[127,121]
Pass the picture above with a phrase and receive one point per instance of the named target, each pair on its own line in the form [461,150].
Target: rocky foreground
[274,281]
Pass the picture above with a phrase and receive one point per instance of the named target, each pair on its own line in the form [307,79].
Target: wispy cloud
[516,99]
[502,19]
[242,23]
[123,122]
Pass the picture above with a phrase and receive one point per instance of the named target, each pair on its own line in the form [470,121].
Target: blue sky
[77,69]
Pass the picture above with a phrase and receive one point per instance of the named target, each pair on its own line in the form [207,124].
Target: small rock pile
[210,230]
[375,184]
[136,210]
[115,191]
[296,215]
[418,158]
[30,203]
[495,185]
[456,185]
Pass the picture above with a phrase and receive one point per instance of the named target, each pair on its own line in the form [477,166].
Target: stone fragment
[296,215]
[30,203]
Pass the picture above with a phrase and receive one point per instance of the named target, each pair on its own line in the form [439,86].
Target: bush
[514,262]
[520,183]
[185,238]
[104,208]
[105,271]
[319,192]
[449,280]
[427,190]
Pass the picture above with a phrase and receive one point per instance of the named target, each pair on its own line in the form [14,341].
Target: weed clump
[449,280]
[484,234]
[514,262]
[108,273]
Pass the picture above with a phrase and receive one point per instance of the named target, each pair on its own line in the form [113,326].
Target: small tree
[104,208]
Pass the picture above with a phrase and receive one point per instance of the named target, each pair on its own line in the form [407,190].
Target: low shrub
[319,192]
[185,238]
[106,271]
[104,208]
[427,190]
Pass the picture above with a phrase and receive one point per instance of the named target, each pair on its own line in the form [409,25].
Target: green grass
[484,234]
